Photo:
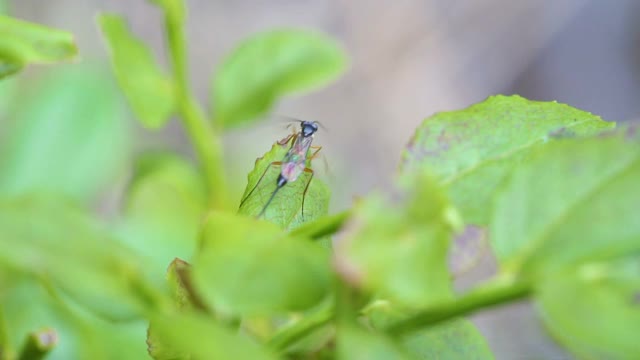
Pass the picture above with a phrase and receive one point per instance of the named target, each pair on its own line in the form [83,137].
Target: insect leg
[314,155]
[285,140]
[304,194]
[315,152]
[258,182]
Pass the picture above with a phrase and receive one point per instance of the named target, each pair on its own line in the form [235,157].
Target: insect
[294,162]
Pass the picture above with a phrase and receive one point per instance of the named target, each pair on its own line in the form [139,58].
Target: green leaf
[472,150]
[178,280]
[399,249]
[148,88]
[29,307]
[23,43]
[574,201]
[456,339]
[268,66]
[595,310]
[58,243]
[278,273]
[286,208]
[70,136]
[183,298]
[355,343]
[174,9]
[566,222]
[453,339]
[307,332]
[166,201]
[199,336]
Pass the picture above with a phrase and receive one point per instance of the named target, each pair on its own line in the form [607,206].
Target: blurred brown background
[409,59]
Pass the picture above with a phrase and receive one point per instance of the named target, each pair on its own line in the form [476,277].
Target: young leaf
[174,9]
[23,43]
[71,136]
[147,87]
[184,300]
[472,150]
[574,201]
[49,238]
[595,310]
[201,338]
[399,250]
[270,65]
[286,208]
[178,280]
[277,273]
[164,208]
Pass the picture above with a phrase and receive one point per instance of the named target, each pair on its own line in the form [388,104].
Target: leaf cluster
[553,186]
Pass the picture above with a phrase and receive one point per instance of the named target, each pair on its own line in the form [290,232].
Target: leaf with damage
[472,150]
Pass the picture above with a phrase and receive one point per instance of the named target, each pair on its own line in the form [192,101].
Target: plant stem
[494,293]
[326,225]
[206,141]
[298,330]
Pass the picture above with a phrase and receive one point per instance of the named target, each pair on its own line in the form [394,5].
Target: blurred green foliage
[268,66]
[70,135]
[148,88]
[23,43]
[414,238]
[555,186]
[164,204]
[473,151]
[278,273]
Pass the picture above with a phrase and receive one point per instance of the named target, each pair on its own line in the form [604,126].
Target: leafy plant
[555,187]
